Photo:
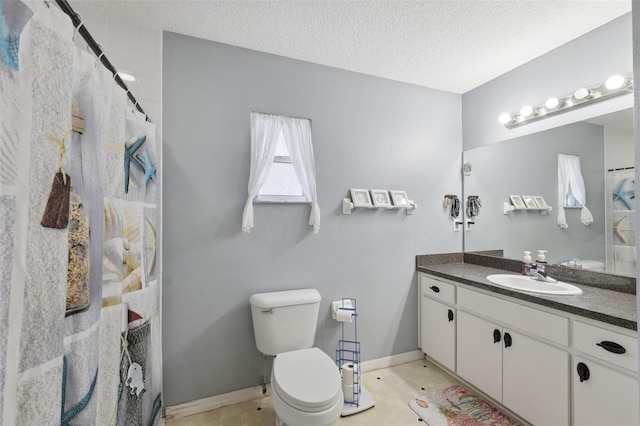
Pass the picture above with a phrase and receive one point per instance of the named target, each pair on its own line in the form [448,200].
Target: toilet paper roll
[349,373]
[348,391]
[344,315]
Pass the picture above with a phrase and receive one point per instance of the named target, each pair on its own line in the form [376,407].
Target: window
[282,165]
[282,184]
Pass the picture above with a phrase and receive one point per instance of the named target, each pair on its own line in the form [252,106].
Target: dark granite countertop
[612,307]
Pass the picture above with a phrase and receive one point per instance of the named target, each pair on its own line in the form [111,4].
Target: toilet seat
[307,380]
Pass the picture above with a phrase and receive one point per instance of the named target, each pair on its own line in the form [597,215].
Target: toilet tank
[285,320]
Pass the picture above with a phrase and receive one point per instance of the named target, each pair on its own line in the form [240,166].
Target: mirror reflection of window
[570,200]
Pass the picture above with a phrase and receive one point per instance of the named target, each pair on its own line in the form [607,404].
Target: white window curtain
[570,181]
[297,135]
[265,129]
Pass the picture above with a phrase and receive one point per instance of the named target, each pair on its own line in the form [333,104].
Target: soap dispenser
[541,256]
[526,263]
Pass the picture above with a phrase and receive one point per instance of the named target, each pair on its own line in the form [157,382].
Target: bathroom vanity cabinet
[521,366]
[438,325]
[595,380]
[526,356]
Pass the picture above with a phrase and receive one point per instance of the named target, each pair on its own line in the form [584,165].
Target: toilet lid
[306,379]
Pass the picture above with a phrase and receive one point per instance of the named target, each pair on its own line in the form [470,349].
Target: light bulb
[526,111]
[552,103]
[505,118]
[582,93]
[615,82]
[126,76]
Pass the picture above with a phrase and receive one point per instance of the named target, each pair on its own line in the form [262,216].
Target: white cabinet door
[535,379]
[438,332]
[606,397]
[479,355]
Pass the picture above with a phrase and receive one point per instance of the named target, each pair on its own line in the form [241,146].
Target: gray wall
[587,60]
[528,165]
[367,132]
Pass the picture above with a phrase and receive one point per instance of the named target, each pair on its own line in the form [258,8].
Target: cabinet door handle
[435,289]
[497,336]
[583,371]
[611,347]
[507,340]
[450,315]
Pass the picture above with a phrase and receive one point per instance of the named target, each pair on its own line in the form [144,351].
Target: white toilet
[306,388]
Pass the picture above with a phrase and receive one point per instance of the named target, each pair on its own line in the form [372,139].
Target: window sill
[280,200]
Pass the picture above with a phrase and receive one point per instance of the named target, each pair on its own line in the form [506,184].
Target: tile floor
[392,389]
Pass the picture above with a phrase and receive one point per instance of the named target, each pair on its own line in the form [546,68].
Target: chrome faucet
[538,272]
[574,263]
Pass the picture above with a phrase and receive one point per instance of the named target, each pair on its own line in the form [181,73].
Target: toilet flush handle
[268,311]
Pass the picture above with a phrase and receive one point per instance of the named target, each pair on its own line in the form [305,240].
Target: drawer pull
[612,347]
[583,371]
[450,315]
[497,336]
[507,340]
[435,289]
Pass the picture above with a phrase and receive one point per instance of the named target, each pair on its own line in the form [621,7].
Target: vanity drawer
[543,324]
[593,340]
[438,290]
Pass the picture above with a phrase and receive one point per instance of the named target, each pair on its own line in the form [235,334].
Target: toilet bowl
[306,388]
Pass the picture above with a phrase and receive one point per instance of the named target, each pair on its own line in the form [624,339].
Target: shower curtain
[60,365]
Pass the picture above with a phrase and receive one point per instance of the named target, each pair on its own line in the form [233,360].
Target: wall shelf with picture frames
[526,203]
[380,199]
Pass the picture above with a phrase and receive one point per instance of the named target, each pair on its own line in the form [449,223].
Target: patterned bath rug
[455,406]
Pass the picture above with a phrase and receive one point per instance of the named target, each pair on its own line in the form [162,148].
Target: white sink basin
[525,283]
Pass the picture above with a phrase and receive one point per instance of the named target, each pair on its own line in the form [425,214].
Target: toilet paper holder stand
[356,396]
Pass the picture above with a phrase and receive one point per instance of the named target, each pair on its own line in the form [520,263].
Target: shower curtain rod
[97,49]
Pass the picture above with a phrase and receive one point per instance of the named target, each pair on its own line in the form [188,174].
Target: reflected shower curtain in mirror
[571,190]
[620,222]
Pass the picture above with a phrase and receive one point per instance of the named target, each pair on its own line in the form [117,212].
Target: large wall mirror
[528,165]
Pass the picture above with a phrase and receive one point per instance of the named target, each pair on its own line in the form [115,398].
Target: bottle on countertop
[541,256]
[526,263]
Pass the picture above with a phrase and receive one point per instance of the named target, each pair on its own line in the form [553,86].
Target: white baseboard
[248,394]
[390,361]
[212,402]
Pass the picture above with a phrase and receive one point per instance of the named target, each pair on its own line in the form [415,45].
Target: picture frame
[529,201]
[540,201]
[517,202]
[380,198]
[360,197]
[399,198]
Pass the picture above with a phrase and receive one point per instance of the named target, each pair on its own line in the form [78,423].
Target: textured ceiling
[448,45]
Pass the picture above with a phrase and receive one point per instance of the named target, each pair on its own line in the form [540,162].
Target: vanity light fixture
[614,86]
